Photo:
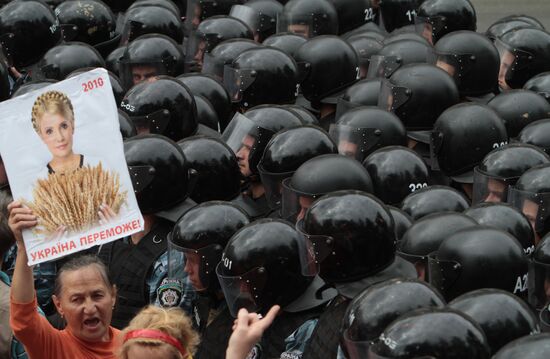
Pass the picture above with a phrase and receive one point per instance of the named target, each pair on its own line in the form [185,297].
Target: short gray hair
[79,262]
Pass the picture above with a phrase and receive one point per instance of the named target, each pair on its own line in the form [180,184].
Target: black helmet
[397,54]
[329,65]
[127,127]
[29,29]
[206,113]
[505,217]
[151,19]
[401,222]
[209,34]
[305,115]
[213,91]
[353,13]
[501,168]
[472,59]
[426,235]
[524,53]
[361,93]
[375,308]
[199,10]
[218,174]
[260,76]
[363,130]
[167,4]
[223,54]
[528,19]
[528,347]
[404,34]
[164,106]
[518,108]
[286,152]
[198,239]
[418,94]
[89,21]
[396,171]
[112,60]
[267,11]
[478,257]
[31,86]
[431,333]
[260,267]
[309,18]
[248,135]
[365,47]
[287,42]
[349,236]
[462,136]
[537,134]
[149,56]
[502,316]
[539,275]
[398,13]
[154,162]
[319,176]
[531,195]
[61,60]
[540,84]
[508,23]
[432,200]
[436,18]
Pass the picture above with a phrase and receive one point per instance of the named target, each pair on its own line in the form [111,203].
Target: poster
[64,158]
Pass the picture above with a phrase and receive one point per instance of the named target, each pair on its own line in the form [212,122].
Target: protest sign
[64,158]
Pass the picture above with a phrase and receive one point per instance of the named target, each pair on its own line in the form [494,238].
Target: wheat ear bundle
[73,199]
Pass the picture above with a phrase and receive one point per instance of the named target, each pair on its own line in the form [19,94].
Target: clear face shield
[313,249]
[133,73]
[198,264]
[487,188]
[242,291]
[249,16]
[354,142]
[236,81]
[294,205]
[442,274]
[429,27]
[344,106]
[512,63]
[535,206]
[213,65]
[392,97]
[538,283]
[544,317]
[457,66]
[199,44]
[382,66]
[307,26]
[273,185]
[197,11]
[420,262]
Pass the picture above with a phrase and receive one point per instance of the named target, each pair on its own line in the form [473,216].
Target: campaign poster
[63,153]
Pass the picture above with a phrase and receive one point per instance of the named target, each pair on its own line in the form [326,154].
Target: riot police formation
[372,178]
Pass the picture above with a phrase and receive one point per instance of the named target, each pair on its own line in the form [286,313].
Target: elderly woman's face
[57,133]
[86,303]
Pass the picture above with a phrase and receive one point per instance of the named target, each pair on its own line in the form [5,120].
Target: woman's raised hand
[20,218]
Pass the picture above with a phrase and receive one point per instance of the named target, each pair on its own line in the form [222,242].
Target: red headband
[156,334]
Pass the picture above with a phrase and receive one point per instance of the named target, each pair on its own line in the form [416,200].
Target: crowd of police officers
[377,168]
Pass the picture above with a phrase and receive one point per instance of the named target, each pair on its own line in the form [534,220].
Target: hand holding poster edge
[64,158]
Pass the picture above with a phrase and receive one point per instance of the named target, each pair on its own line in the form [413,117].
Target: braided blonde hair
[53,102]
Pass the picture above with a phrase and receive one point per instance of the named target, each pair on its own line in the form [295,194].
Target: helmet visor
[294,205]
[198,10]
[133,72]
[242,291]
[355,142]
[489,188]
[314,249]
[273,184]
[199,264]
[392,97]
[199,44]
[456,65]
[382,66]
[512,63]
[544,317]
[442,274]
[213,65]
[307,26]
[234,134]
[538,282]
[534,206]
[429,27]
[344,106]
[236,81]
[354,349]
[141,177]
[247,15]
[155,122]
